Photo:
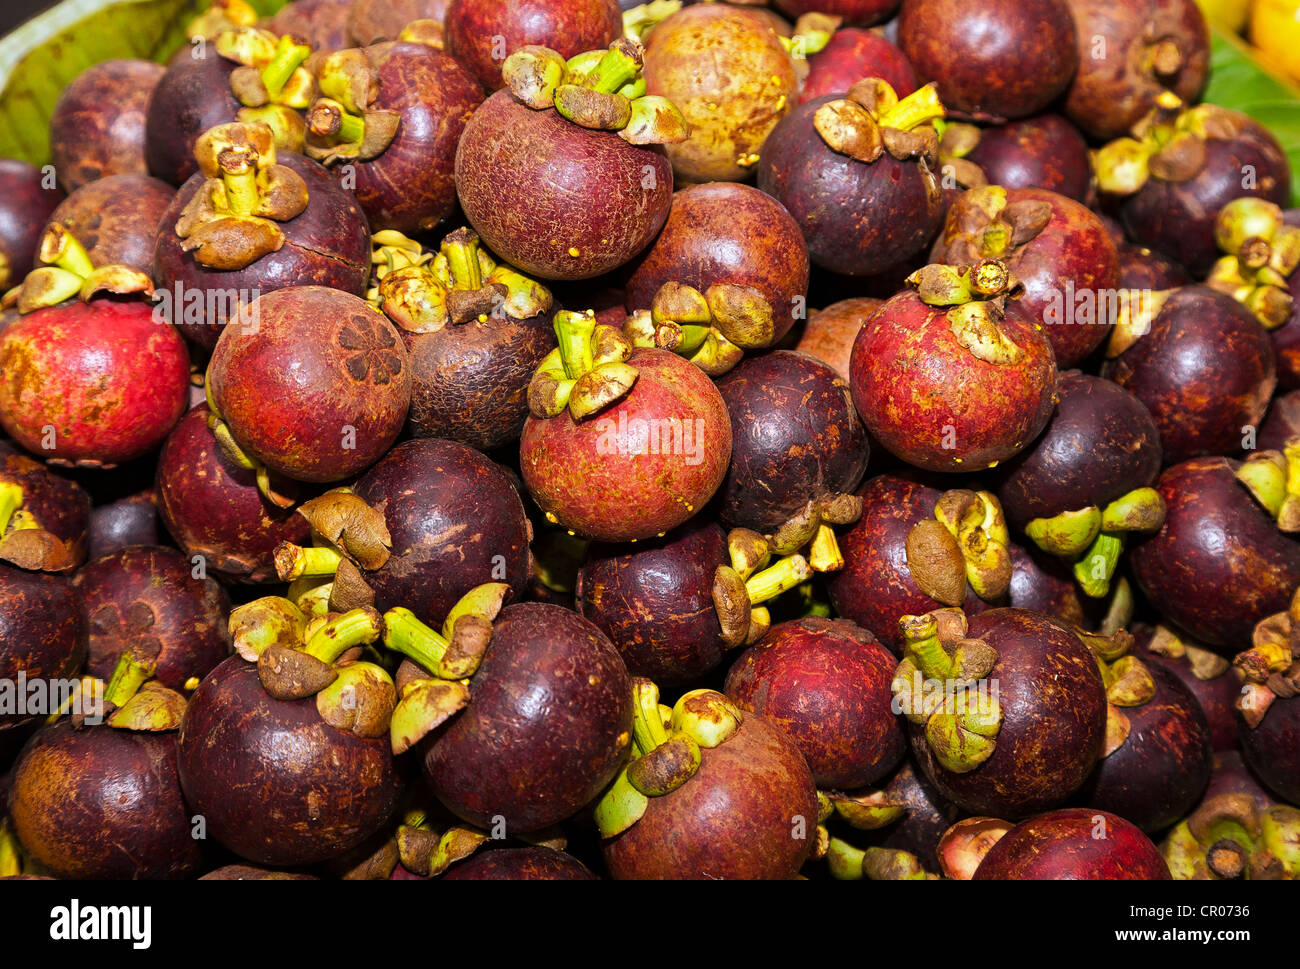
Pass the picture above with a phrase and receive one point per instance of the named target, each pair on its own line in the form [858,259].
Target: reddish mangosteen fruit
[117,218]
[1214,682]
[953,375]
[390,117]
[1073,844]
[1168,181]
[1044,151]
[132,520]
[1219,564]
[830,333]
[311,383]
[27,197]
[722,234]
[852,54]
[252,221]
[1141,268]
[322,23]
[247,873]
[1230,775]
[371,21]
[212,507]
[1019,708]
[621,444]
[567,180]
[859,13]
[992,61]
[1200,362]
[98,125]
[712,792]
[533,864]
[1281,423]
[858,173]
[44,518]
[1151,46]
[42,633]
[826,683]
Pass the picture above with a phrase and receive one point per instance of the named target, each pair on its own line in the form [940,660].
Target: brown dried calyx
[977,296]
[712,329]
[956,141]
[428,849]
[1263,253]
[966,542]
[982,224]
[871,120]
[232,220]
[68,273]
[273,82]
[344,123]
[352,537]
[1271,666]
[1127,679]
[741,588]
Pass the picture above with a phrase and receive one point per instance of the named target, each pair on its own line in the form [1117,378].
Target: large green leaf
[1238,81]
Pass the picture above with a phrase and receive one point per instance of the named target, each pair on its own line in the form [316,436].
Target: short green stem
[574,332]
[461,250]
[358,627]
[239,176]
[288,58]
[921,644]
[778,578]
[918,108]
[615,69]
[1095,570]
[128,676]
[295,561]
[409,636]
[11,499]
[648,730]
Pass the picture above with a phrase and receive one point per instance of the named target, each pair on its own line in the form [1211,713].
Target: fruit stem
[357,627]
[921,644]
[824,554]
[239,175]
[574,331]
[617,66]
[778,578]
[62,249]
[405,633]
[11,499]
[288,58]
[461,250]
[648,730]
[128,676]
[295,561]
[1095,570]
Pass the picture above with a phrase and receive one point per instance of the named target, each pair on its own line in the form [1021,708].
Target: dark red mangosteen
[117,218]
[859,13]
[27,197]
[311,382]
[621,444]
[1045,152]
[562,174]
[712,792]
[858,172]
[1281,423]
[952,374]
[826,683]
[42,635]
[1019,708]
[98,125]
[830,333]
[1141,268]
[1270,702]
[1073,844]
[1169,180]
[322,23]
[252,873]
[1043,583]
[1151,46]
[132,520]
[521,864]
[993,61]
[849,56]
[372,21]
[213,509]
[1214,682]
[1200,362]
[252,221]
[44,518]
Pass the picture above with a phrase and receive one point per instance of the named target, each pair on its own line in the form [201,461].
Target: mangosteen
[372,21]
[1281,423]
[132,520]
[1043,583]
[1270,715]
[1045,152]
[27,197]
[98,125]
[1214,682]
[830,333]
[322,23]
[44,518]
[852,54]
[1142,269]
[1073,844]
[42,635]
[859,13]
[521,864]
[117,218]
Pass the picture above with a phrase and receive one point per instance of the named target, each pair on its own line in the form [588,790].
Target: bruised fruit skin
[726,70]
[830,333]
[42,631]
[276,783]
[732,820]
[554,199]
[550,711]
[995,60]
[827,685]
[725,233]
[117,218]
[212,507]
[521,864]
[1272,750]
[191,97]
[852,54]
[1282,422]
[1205,371]
[25,204]
[107,378]
[654,600]
[800,439]
[98,126]
[300,366]
[1065,845]
[1044,151]
[1219,564]
[875,587]
[602,478]
[103,803]
[483,33]
[147,601]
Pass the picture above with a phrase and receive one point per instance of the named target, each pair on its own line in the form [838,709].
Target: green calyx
[585,373]
[975,521]
[871,120]
[136,701]
[271,68]
[712,329]
[848,863]
[957,140]
[1168,145]
[741,588]
[812,32]
[602,90]
[425,292]
[426,851]
[1273,479]
[976,300]
[1092,538]
[638,21]
[67,273]
[1262,254]
[343,123]
[1230,837]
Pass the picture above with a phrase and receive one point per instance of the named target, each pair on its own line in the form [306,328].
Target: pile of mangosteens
[828,439]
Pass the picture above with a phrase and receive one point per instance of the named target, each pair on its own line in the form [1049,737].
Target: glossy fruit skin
[212,507]
[328,244]
[191,97]
[1061,845]
[98,126]
[1042,583]
[732,820]
[276,783]
[42,631]
[568,26]
[300,366]
[1281,422]
[917,388]
[1272,750]
[1216,696]
[726,70]
[59,506]
[548,724]
[534,864]
[1114,88]
[727,233]
[1141,268]
[1158,774]
[370,21]
[875,588]
[830,333]
[849,56]
[1003,59]
[322,23]
[858,219]
[132,520]
[856,12]
[576,473]
[1204,371]
[1045,152]
[456,522]
[105,375]
[537,187]
[1100,444]
[103,803]
[117,218]
[654,600]
[25,205]
[147,600]
[1054,719]
[1219,564]
[826,684]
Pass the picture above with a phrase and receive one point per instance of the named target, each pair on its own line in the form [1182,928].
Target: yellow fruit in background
[1231,14]
[1275,30]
